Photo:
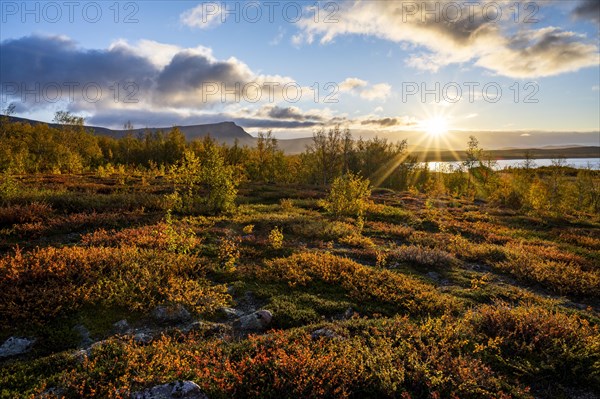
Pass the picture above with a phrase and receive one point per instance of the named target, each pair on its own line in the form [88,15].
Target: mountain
[223,132]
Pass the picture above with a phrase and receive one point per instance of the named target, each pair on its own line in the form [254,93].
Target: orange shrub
[39,285]
[361,282]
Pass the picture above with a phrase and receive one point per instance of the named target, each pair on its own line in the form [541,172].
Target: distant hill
[228,132]
[223,132]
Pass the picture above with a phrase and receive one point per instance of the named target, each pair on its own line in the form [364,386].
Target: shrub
[422,255]
[349,195]
[38,286]
[287,205]
[539,343]
[228,253]
[362,282]
[276,238]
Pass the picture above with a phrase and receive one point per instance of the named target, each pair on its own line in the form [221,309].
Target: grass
[446,298]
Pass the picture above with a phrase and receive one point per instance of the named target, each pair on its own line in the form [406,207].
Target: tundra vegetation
[383,278]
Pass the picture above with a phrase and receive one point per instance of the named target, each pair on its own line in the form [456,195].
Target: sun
[436,126]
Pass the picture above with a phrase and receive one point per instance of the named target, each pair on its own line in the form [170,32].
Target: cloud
[204,16]
[587,9]
[468,36]
[350,84]
[146,75]
[389,122]
[289,113]
[380,91]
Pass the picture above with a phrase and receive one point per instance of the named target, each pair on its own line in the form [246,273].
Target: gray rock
[349,313]
[15,346]
[52,392]
[180,389]
[323,333]
[254,322]
[231,313]
[84,334]
[166,314]
[142,338]
[434,276]
[194,326]
[121,327]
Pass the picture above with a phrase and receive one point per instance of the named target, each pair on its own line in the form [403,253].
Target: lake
[579,163]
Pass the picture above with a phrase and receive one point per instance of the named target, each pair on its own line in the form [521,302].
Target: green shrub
[349,195]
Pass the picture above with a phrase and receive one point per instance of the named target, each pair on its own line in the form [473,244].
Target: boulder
[121,327]
[254,322]
[15,346]
[84,335]
[231,313]
[323,333]
[142,338]
[168,314]
[179,389]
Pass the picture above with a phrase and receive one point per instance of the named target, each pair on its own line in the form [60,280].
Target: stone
[179,389]
[15,346]
[323,333]
[254,322]
[166,314]
[433,275]
[121,327]
[231,313]
[84,334]
[142,338]
[348,314]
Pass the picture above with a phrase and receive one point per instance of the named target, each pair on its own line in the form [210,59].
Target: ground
[425,297]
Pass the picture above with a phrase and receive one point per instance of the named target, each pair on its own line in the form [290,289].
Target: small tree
[218,177]
[473,157]
[349,195]
[207,170]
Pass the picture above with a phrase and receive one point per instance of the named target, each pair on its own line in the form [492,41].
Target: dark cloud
[588,9]
[387,122]
[292,113]
[49,62]
[54,61]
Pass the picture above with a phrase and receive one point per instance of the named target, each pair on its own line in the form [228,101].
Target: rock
[180,389]
[52,392]
[142,338]
[348,314]
[15,346]
[323,333]
[194,326]
[254,322]
[121,327]
[84,334]
[434,276]
[231,313]
[166,314]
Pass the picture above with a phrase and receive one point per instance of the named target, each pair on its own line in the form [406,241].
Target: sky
[376,67]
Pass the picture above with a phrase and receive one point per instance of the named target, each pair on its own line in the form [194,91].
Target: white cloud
[380,91]
[204,16]
[489,44]
[350,84]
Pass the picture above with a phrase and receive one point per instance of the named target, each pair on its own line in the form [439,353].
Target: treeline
[71,148]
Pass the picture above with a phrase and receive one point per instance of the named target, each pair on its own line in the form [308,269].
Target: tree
[473,154]
[349,195]
[266,159]
[325,154]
